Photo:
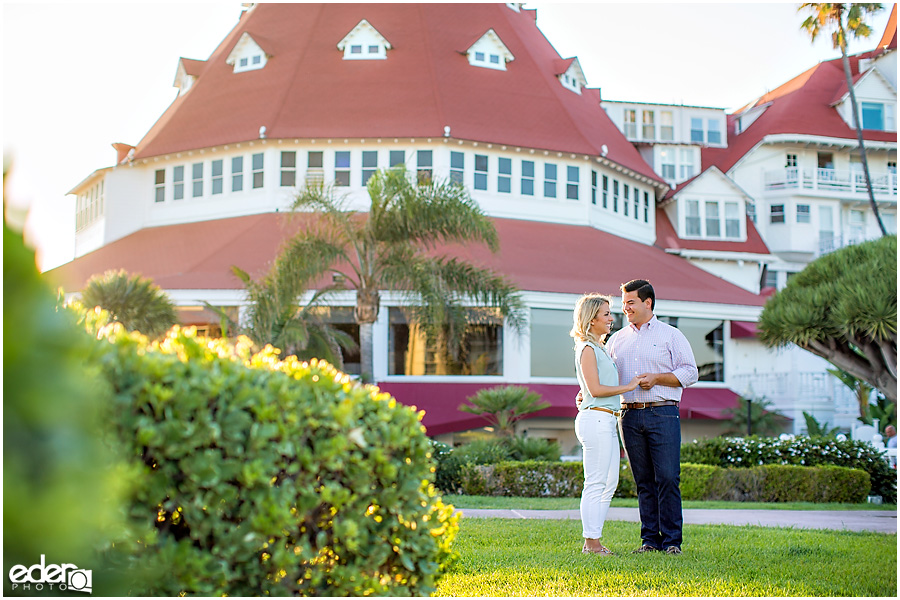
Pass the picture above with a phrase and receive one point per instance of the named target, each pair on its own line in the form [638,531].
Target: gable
[572,78]
[364,42]
[247,55]
[489,51]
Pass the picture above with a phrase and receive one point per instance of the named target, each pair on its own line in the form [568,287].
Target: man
[661,356]
[890,432]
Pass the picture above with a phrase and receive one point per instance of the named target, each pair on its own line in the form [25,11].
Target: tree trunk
[366,313]
[859,138]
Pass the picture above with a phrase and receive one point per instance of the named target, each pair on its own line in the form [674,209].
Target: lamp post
[749,419]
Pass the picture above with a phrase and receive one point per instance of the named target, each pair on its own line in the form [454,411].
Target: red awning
[743,329]
[707,403]
[441,401]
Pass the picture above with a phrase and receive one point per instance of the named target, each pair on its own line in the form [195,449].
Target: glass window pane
[315,160]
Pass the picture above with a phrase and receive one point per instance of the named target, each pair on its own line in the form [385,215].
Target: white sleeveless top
[609,375]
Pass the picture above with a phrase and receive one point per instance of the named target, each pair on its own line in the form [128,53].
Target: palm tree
[764,419]
[844,19]
[504,406]
[134,301]
[276,316]
[392,247]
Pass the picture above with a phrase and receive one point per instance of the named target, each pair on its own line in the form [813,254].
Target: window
[892,167]
[257,166]
[637,203]
[397,157]
[872,116]
[549,180]
[504,175]
[369,164]
[646,207]
[776,213]
[732,220]
[770,278]
[342,168]
[527,178]
[356,49]
[714,132]
[707,339]
[288,169]
[551,346]
[256,59]
[178,181]
[495,59]
[423,164]
[479,56]
[751,211]
[572,183]
[666,126]
[411,353]
[373,49]
[803,213]
[790,160]
[594,188]
[631,124]
[712,220]
[237,173]
[160,183]
[857,225]
[217,176]
[315,174]
[615,195]
[457,167]
[648,132]
[605,190]
[692,218]
[697,131]
[667,160]
[687,163]
[197,176]
[481,171]
[625,197]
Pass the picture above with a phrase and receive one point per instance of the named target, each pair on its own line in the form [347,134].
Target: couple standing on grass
[647,363]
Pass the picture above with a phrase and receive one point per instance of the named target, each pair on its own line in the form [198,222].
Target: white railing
[831,242]
[830,180]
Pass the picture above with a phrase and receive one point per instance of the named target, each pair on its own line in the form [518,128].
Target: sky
[80,77]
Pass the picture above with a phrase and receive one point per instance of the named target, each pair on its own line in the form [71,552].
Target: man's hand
[578,400]
[648,380]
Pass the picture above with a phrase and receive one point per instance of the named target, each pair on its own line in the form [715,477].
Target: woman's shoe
[602,551]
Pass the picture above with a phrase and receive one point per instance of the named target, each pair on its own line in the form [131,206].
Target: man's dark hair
[643,288]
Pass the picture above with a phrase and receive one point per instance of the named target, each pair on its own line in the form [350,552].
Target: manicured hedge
[803,451]
[264,476]
[768,483]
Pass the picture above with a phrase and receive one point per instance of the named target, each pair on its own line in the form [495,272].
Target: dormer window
[247,54]
[364,43]
[571,76]
[489,51]
[187,73]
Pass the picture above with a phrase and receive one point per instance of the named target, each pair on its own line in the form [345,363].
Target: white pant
[598,433]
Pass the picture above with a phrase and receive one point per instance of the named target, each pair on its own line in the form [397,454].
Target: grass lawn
[572,503]
[505,557]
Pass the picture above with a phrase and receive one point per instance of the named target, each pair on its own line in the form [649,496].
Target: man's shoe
[645,548]
[673,550]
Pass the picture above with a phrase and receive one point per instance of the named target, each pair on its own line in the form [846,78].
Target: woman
[596,422]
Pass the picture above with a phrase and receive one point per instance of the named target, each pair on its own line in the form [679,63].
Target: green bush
[696,481]
[270,477]
[804,451]
[533,448]
[63,487]
[486,452]
[447,467]
[534,479]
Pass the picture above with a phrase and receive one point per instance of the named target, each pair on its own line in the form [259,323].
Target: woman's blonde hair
[586,309]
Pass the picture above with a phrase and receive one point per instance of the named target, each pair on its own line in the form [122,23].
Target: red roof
[667,237]
[800,106]
[536,256]
[306,90]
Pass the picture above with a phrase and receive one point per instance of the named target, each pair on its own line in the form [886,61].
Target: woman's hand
[633,383]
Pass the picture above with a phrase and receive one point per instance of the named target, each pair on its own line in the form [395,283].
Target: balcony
[832,182]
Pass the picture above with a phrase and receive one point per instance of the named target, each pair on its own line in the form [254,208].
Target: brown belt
[614,413]
[639,405]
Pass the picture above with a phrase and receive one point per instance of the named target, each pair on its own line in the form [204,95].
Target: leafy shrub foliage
[448,475]
[63,488]
[806,451]
[271,477]
[768,483]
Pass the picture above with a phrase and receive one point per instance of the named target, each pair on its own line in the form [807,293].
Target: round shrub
[447,467]
[755,451]
[271,477]
[532,448]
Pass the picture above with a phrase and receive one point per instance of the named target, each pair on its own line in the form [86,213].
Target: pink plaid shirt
[656,347]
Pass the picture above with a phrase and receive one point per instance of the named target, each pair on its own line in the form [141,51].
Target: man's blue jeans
[652,438]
